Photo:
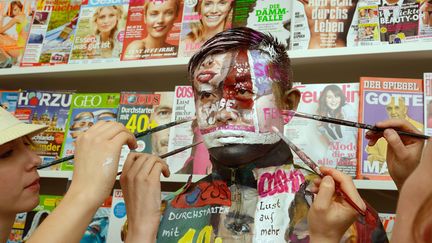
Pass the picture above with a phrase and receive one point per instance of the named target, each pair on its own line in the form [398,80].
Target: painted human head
[159,16]
[241,80]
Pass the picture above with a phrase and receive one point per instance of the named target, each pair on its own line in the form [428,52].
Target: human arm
[96,160]
[9,25]
[140,182]
[403,152]
[330,215]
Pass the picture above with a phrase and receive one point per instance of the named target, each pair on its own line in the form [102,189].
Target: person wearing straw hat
[96,161]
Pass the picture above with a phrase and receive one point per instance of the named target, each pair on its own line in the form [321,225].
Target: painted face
[19,179]
[333,102]
[234,103]
[160,17]
[214,12]
[396,109]
[162,115]
[107,19]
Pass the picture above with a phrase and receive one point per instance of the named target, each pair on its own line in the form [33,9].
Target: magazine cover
[49,108]
[8,100]
[117,217]
[388,220]
[425,20]
[368,26]
[15,22]
[398,21]
[17,231]
[153,29]
[195,160]
[26,223]
[85,111]
[100,32]
[324,24]
[202,19]
[52,33]
[97,231]
[382,99]
[272,16]
[333,145]
[136,112]
[428,103]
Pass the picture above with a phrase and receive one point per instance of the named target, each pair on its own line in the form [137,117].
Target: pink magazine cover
[152,29]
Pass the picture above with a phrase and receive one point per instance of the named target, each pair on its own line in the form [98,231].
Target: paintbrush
[176,151]
[309,162]
[349,123]
[137,135]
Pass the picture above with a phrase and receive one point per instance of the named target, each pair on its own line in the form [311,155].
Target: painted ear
[291,99]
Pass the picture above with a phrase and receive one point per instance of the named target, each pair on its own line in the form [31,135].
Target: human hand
[403,152]
[330,215]
[97,154]
[140,182]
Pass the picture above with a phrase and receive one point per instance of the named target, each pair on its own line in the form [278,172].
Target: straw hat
[11,128]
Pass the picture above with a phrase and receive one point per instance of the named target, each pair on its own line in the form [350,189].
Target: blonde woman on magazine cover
[159,18]
[96,161]
[214,19]
[104,43]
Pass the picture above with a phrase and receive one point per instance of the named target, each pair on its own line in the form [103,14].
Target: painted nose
[224,116]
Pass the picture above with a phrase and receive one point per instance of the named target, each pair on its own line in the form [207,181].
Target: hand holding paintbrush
[315,168]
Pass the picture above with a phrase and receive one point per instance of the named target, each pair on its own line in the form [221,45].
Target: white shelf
[181,178]
[375,185]
[55,174]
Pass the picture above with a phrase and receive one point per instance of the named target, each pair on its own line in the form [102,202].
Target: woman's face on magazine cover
[16,10]
[19,179]
[160,17]
[214,12]
[333,102]
[107,19]
[162,115]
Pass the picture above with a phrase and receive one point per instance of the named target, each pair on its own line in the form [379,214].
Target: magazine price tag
[140,123]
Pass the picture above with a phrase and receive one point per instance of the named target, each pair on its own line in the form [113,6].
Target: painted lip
[34,186]
[205,76]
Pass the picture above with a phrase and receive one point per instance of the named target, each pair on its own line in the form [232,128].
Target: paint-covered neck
[243,175]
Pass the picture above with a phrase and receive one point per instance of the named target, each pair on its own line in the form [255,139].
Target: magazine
[427,81]
[153,29]
[139,111]
[52,33]
[16,17]
[368,26]
[323,24]
[425,20]
[382,99]
[201,22]
[271,16]
[85,111]
[97,230]
[47,108]
[333,145]
[100,32]
[8,100]
[195,160]
[399,22]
